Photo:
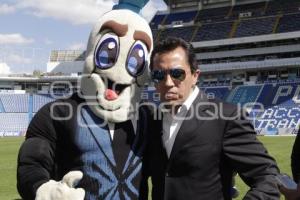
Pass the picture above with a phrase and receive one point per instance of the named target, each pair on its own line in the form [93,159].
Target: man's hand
[290,194]
[62,190]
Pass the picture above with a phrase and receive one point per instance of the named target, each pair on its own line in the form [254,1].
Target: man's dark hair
[171,43]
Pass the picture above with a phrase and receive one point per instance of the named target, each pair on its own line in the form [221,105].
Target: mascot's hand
[62,190]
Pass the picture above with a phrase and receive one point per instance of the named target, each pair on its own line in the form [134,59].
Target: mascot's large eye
[136,60]
[107,51]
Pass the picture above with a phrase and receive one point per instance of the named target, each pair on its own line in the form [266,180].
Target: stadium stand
[242,20]
[39,100]
[155,33]
[157,20]
[276,107]
[248,10]
[282,6]
[213,31]
[18,109]
[15,103]
[219,92]
[283,94]
[244,94]
[183,32]
[11,122]
[289,22]
[181,17]
[213,14]
[1,107]
[30,107]
[263,25]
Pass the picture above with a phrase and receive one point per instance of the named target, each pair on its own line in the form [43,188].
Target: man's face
[172,90]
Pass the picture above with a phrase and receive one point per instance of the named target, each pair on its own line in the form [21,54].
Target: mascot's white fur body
[116,68]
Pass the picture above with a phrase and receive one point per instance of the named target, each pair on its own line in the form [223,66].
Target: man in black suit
[295,159]
[199,142]
[294,194]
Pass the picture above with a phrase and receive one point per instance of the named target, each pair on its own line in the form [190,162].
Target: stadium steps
[1,107]
[196,16]
[30,107]
[266,96]
[266,6]
[195,32]
[259,93]
[161,30]
[163,21]
[231,95]
[230,12]
[197,26]
[158,35]
[245,94]
[234,28]
[276,24]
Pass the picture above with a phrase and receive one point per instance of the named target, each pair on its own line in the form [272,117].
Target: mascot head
[117,62]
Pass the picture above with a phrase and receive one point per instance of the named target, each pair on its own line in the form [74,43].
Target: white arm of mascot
[62,190]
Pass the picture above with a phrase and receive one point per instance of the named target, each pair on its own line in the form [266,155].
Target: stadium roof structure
[40,79]
[173,4]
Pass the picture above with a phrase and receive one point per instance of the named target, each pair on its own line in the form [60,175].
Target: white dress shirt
[172,123]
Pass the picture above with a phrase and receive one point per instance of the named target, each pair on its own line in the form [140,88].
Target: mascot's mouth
[113,90]
[109,109]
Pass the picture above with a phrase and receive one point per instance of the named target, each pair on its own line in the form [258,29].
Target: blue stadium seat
[15,103]
[257,26]
[277,108]
[13,121]
[244,94]
[1,107]
[156,21]
[282,6]
[219,92]
[256,9]
[213,14]
[279,94]
[39,100]
[213,31]
[183,32]
[181,16]
[289,23]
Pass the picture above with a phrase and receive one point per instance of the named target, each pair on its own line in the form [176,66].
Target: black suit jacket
[295,158]
[207,149]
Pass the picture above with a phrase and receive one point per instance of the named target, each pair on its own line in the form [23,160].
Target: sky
[30,29]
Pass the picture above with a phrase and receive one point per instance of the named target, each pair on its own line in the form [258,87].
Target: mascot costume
[90,145]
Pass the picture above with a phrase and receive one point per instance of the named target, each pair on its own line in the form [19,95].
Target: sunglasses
[175,73]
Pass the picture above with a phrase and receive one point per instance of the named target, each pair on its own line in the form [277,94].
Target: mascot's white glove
[62,190]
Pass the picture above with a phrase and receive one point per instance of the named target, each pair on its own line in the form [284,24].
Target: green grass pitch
[279,147]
